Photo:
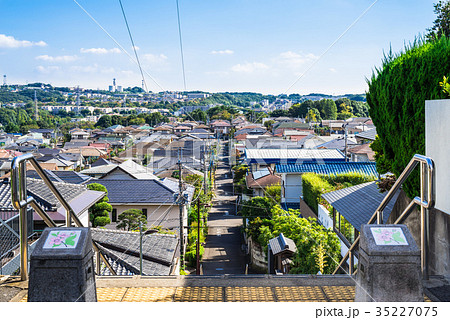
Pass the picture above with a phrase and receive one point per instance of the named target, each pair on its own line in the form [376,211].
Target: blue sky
[234,45]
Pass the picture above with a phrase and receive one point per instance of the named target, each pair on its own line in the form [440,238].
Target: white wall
[324,217]
[437,118]
[293,187]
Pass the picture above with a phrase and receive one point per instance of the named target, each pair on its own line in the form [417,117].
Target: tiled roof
[294,154]
[61,176]
[282,244]
[369,134]
[137,191]
[39,190]
[368,168]
[159,250]
[358,203]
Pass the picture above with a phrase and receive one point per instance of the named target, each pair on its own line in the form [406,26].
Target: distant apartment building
[191,96]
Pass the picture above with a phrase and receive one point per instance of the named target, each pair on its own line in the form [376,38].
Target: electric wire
[181,46]
[134,47]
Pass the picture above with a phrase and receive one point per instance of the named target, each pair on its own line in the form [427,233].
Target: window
[144,212]
[114,215]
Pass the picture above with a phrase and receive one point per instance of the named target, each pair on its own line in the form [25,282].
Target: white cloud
[57,58]
[47,70]
[294,60]
[135,48]
[249,67]
[333,70]
[11,42]
[154,58]
[222,52]
[100,50]
[85,69]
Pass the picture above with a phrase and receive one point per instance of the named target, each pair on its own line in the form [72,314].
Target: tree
[313,115]
[99,212]
[104,121]
[85,112]
[198,115]
[311,239]
[396,97]
[279,113]
[130,219]
[441,26]
[257,207]
[329,109]
[268,124]
[273,192]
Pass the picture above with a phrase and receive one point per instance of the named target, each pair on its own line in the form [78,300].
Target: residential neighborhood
[233,188]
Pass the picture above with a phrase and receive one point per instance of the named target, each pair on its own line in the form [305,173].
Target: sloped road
[223,253]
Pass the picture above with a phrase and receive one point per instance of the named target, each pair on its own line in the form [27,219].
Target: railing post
[423,224]
[23,224]
[350,262]
[380,217]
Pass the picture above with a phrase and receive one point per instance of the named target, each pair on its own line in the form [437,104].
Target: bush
[396,98]
[317,247]
[314,185]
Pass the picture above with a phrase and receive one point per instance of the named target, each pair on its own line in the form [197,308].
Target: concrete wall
[324,217]
[306,211]
[439,243]
[257,256]
[437,118]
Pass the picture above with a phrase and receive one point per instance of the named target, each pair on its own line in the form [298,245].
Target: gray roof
[281,244]
[137,191]
[159,251]
[129,166]
[297,154]
[61,176]
[368,134]
[358,203]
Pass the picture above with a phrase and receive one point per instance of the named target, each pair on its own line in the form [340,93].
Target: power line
[181,46]
[117,43]
[134,47]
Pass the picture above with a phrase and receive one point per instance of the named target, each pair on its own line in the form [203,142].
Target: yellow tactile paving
[249,294]
[299,294]
[340,293]
[110,294]
[231,294]
[198,294]
[155,294]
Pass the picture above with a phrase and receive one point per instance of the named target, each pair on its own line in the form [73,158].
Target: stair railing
[425,201]
[21,200]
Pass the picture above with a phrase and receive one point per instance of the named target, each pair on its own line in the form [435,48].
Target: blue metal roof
[368,168]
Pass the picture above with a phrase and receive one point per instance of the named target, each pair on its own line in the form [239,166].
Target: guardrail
[20,201]
[425,201]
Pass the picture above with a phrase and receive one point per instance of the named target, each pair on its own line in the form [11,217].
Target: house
[221,127]
[80,135]
[361,153]
[127,170]
[291,176]
[367,136]
[261,179]
[160,252]
[351,208]
[58,161]
[262,158]
[155,199]
[280,250]
[77,195]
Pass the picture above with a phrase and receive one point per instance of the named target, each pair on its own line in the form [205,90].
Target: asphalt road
[223,249]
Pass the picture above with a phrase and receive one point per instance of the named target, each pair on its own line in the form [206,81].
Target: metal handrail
[20,201]
[424,203]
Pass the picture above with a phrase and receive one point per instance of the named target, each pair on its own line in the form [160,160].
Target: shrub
[99,212]
[396,98]
[314,185]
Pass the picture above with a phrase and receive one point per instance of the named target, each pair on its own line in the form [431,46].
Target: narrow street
[223,253]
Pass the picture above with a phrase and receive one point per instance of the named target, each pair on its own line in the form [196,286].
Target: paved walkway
[223,254]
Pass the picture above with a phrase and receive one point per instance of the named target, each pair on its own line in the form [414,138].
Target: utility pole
[181,207]
[198,237]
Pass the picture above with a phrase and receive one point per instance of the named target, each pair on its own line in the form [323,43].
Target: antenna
[4,80]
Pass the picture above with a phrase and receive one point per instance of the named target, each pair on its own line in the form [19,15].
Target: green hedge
[396,98]
[314,185]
